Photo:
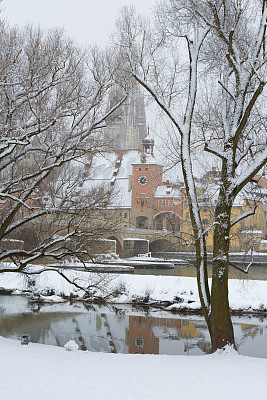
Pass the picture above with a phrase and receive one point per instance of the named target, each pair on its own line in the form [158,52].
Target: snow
[47,372]
[49,299]
[109,167]
[165,191]
[247,295]
[150,159]
[71,345]
[255,232]
[136,239]
[249,171]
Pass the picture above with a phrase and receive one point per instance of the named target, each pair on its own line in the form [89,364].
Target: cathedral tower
[126,129]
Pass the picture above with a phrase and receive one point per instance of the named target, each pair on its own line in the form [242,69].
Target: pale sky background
[86,21]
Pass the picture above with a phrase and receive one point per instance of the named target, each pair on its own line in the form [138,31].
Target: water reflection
[154,335]
[122,329]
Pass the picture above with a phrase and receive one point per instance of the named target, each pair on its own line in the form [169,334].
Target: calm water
[258,271]
[122,329]
[255,272]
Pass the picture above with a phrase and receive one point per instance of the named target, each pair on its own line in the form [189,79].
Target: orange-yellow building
[245,234]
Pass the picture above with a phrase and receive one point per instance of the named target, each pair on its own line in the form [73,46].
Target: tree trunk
[200,243]
[221,325]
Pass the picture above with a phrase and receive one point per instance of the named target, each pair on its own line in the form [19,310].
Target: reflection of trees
[80,336]
[109,335]
[112,329]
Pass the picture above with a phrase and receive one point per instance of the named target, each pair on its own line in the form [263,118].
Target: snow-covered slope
[47,372]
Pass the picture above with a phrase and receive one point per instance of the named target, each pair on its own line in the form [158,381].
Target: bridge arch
[142,222]
[164,245]
[168,220]
[118,244]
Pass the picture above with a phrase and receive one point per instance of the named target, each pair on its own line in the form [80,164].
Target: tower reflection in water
[116,330]
[146,334]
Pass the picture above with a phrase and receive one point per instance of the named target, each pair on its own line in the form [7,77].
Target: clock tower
[146,177]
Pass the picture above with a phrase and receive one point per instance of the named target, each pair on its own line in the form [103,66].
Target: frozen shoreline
[174,293]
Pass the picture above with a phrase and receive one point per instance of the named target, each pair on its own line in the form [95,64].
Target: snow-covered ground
[40,372]
[181,292]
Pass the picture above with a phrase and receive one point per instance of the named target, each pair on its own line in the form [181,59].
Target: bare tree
[54,103]
[219,46]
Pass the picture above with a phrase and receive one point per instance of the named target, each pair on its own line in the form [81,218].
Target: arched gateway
[167,220]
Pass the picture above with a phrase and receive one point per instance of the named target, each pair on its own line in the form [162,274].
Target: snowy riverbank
[175,293]
[47,372]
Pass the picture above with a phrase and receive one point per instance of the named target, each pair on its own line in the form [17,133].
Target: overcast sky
[87,21]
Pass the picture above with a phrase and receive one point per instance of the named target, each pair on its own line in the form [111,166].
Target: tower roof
[148,140]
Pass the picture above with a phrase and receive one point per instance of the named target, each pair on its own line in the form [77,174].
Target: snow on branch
[16,199]
[243,216]
[239,182]
[247,113]
[213,151]
[24,220]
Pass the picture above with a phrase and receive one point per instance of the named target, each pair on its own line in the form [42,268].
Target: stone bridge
[135,241]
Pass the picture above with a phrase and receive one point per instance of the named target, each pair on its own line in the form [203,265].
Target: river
[122,329]
[254,272]
[258,269]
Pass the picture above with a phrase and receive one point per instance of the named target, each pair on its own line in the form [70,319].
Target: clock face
[143,180]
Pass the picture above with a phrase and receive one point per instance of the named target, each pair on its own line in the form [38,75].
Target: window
[187,215]
[125,215]
[172,203]
[146,169]
[139,341]
[162,202]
